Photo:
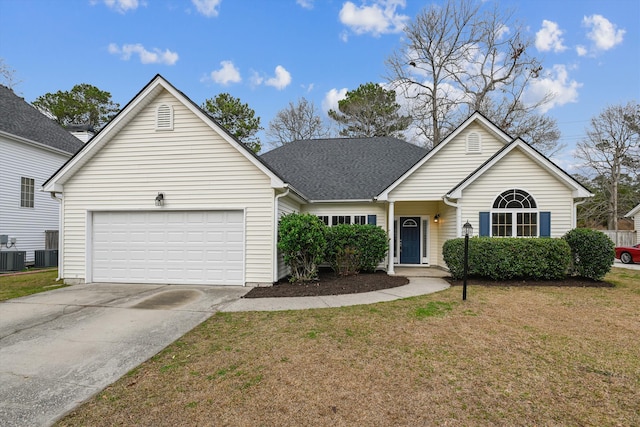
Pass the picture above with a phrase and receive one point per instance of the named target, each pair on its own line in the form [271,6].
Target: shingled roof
[19,118]
[343,168]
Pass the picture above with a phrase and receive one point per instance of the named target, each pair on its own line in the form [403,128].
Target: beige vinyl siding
[286,205]
[636,227]
[447,167]
[192,165]
[516,170]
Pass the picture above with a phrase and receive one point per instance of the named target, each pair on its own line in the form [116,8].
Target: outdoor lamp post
[467,230]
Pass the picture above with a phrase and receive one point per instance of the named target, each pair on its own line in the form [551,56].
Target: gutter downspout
[574,220]
[60,235]
[458,214]
[275,232]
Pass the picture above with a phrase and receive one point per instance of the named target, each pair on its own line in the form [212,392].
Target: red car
[628,254]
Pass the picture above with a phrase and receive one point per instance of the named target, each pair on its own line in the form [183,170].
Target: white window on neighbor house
[164,117]
[514,214]
[27,194]
[474,144]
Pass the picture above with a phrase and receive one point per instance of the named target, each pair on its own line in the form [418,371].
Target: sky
[269,53]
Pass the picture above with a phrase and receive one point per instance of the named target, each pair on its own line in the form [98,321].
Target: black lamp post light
[467,230]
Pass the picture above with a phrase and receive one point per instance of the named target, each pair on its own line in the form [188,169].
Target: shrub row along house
[32,147]
[163,194]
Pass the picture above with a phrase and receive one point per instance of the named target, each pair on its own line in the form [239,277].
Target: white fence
[621,238]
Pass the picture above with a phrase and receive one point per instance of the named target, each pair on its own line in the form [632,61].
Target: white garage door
[195,247]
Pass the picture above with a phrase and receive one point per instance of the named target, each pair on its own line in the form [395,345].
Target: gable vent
[164,117]
[473,143]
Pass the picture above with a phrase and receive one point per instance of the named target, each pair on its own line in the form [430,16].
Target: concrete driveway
[59,348]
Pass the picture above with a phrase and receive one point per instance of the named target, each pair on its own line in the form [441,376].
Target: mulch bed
[329,283]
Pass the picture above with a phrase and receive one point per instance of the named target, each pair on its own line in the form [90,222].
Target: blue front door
[410,240]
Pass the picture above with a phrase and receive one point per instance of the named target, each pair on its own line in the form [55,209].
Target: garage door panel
[169,247]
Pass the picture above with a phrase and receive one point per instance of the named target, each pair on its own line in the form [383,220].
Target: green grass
[16,286]
[547,355]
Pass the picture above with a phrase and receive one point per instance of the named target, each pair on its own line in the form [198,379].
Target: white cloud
[557,82]
[604,34]
[379,18]
[156,56]
[227,74]
[281,80]
[122,6]
[256,79]
[307,4]
[581,50]
[331,98]
[208,8]
[550,37]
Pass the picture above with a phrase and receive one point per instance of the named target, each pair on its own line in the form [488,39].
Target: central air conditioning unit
[12,260]
[47,258]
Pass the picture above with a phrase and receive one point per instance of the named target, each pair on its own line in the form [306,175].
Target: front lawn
[507,356]
[20,285]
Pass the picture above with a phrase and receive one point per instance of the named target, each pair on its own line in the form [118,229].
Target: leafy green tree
[237,118]
[370,110]
[83,104]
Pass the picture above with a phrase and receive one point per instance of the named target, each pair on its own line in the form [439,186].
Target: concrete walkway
[421,282]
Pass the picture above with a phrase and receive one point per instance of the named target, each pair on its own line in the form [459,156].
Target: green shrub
[352,248]
[592,252]
[509,258]
[302,240]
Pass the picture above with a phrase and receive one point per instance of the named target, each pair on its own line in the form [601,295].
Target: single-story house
[635,215]
[32,147]
[163,194]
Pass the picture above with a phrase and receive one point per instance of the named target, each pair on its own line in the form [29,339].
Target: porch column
[391,232]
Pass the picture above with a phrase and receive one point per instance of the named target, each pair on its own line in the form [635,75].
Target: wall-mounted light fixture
[436,218]
[160,199]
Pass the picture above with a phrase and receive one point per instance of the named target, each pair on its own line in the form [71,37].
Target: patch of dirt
[329,283]
[569,282]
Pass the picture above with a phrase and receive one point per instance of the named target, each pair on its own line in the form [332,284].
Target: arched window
[514,214]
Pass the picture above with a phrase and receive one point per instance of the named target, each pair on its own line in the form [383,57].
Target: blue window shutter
[484,224]
[545,224]
[372,219]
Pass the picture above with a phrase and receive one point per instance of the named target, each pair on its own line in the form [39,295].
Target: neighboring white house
[635,214]
[164,194]
[32,147]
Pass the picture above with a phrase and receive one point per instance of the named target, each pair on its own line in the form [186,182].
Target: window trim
[27,192]
[513,211]
[328,219]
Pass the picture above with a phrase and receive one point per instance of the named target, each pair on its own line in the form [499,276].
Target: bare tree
[8,75]
[458,59]
[295,122]
[611,152]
